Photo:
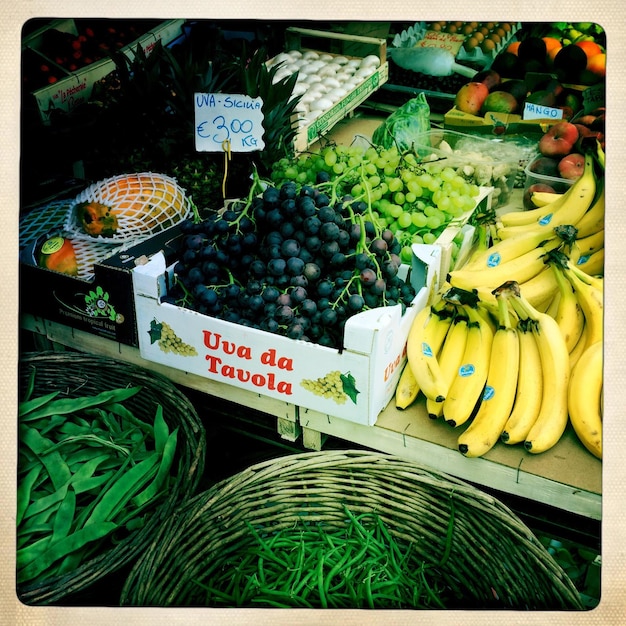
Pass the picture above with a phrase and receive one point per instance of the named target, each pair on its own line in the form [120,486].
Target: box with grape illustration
[355,383]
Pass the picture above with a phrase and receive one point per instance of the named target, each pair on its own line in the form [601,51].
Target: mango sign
[228,122]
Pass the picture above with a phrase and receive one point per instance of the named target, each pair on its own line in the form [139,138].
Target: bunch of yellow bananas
[508,362]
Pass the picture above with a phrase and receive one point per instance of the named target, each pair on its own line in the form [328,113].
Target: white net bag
[128,207]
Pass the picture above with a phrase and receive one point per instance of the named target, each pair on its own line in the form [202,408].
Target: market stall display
[431,287]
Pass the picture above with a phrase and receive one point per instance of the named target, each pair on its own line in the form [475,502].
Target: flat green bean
[64,406]
[23,492]
[120,494]
[32,551]
[167,458]
[54,463]
[29,405]
[64,517]
[65,546]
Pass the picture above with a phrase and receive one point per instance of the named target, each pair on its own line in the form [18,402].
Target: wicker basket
[76,374]
[490,558]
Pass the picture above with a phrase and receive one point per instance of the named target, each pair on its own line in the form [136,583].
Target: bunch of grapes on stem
[414,199]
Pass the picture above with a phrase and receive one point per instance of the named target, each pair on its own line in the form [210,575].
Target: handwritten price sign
[223,119]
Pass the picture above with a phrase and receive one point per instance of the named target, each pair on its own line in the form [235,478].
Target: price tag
[228,119]
[540,112]
[451,42]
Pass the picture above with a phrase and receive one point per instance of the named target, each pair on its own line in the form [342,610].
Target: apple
[558,140]
[571,166]
[528,203]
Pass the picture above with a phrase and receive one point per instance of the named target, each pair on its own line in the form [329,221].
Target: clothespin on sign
[227,157]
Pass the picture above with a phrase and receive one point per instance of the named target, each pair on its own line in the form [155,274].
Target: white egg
[329,69]
[301,107]
[309,55]
[280,75]
[364,72]
[313,115]
[281,58]
[331,83]
[315,66]
[348,70]
[338,93]
[321,104]
[299,89]
[313,78]
[371,60]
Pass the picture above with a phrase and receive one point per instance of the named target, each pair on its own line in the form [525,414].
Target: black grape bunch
[292,260]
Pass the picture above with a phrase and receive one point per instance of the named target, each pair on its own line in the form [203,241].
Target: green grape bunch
[168,341]
[333,386]
[415,200]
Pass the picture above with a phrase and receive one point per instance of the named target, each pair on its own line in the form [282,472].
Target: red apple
[571,166]
[528,203]
[558,140]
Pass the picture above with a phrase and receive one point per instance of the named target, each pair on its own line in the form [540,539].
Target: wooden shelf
[566,477]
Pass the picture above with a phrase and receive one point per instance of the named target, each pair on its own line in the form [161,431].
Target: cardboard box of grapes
[355,383]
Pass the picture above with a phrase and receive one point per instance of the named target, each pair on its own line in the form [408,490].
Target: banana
[552,418]
[427,334]
[469,380]
[569,314]
[593,265]
[519,269]
[584,398]
[499,393]
[593,220]
[407,389]
[578,349]
[552,306]
[541,288]
[529,388]
[541,198]
[505,250]
[589,244]
[574,202]
[568,209]
[451,358]
[591,299]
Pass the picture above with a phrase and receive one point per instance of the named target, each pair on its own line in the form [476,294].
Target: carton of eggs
[322,79]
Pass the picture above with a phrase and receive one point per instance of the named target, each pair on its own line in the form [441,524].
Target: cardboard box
[102,304]
[276,366]
[75,89]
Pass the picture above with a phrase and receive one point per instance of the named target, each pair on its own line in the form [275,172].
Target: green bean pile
[317,566]
[88,472]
